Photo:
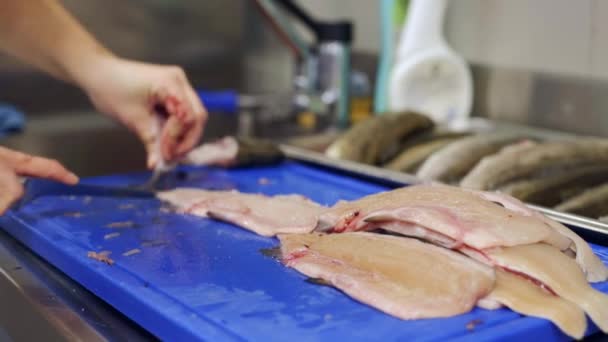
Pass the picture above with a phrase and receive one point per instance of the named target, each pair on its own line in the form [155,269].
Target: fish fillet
[413,230]
[558,272]
[593,267]
[454,161]
[525,297]
[403,277]
[453,212]
[261,214]
[232,152]
[591,203]
[496,170]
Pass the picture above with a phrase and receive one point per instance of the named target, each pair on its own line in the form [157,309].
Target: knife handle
[226,102]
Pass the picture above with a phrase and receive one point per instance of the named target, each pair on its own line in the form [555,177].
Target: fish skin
[370,141]
[403,277]
[559,272]
[428,136]
[509,165]
[525,297]
[254,151]
[454,161]
[553,189]
[411,158]
[591,203]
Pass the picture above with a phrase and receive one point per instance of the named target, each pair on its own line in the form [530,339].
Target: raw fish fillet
[235,152]
[403,277]
[558,272]
[222,152]
[450,211]
[523,296]
[261,214]
[592,265]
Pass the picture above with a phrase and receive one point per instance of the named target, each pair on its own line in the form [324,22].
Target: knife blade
[36,187]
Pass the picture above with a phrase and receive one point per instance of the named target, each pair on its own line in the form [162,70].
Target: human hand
[155,102]
[14,164]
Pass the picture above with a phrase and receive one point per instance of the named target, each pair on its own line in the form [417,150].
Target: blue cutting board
[197,278]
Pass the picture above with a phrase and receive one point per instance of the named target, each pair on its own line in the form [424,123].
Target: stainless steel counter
[39,303]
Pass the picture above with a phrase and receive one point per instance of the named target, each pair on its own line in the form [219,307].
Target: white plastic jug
[427,75]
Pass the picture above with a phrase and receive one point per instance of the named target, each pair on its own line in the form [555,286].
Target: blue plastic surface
[12,120]
[197,278]
[220,101]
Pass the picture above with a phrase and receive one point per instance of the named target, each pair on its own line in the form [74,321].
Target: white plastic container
[427,75]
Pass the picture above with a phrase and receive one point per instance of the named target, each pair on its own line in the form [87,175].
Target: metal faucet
[323,68]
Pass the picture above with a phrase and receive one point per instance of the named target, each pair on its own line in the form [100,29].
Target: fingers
[199,113]
[27,165]
[10,188]
[186,118]
[148,129]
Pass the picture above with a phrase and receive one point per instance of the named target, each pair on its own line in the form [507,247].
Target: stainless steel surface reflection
[42,304]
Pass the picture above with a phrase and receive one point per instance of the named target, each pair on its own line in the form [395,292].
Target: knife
[36,187]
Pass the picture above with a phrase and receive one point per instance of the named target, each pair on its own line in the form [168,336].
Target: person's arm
[44,34]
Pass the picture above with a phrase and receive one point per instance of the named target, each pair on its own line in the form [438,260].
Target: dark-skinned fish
[591,203]
[554,189]
[373,141]
[454,161]
[412,157]
[542,159]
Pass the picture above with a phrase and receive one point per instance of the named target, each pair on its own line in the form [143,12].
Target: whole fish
[513,164]
[454,161]
[591,203]
[372,140]
[430,135]
[554,189]
[413,156]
